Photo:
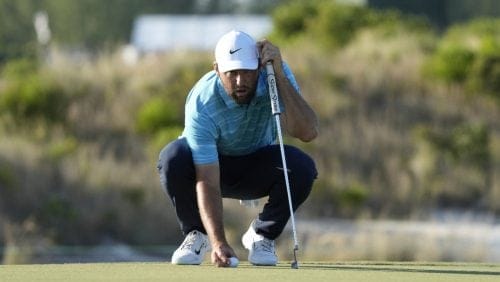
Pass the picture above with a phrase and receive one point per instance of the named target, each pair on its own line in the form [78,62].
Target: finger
[261,56]
[215,258]
[219,263]
[261,43]
[265,49]
[271,54]
[220,259]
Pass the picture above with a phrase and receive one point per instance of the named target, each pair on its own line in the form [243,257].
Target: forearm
[210,207]
[209,201]
[298,118]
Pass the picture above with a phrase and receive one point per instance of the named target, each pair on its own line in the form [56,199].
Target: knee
[308,167]
[302,165]
[303,172]
[175,160]
[173,155]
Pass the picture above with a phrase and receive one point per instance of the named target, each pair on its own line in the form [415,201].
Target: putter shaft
[273,93]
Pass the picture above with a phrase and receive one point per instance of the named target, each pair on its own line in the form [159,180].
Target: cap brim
[237,65]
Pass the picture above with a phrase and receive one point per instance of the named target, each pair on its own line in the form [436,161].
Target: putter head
[295,264]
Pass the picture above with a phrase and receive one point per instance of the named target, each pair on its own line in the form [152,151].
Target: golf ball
[233,262]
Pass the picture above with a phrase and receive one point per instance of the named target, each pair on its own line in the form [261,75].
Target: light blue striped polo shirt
[215,124]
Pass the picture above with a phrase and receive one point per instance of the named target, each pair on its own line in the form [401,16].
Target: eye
[230,73]
[249,72]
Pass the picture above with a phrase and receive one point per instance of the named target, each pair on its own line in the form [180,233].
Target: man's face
[239,84]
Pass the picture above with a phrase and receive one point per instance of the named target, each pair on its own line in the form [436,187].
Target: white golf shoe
[192,251]
[261,249]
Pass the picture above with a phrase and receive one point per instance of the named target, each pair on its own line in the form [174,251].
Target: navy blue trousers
[246,177]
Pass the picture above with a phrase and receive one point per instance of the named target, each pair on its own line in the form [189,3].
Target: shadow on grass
[410,267]
[441,268]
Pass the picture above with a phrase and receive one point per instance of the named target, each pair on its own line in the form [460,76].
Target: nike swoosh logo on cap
[234,51]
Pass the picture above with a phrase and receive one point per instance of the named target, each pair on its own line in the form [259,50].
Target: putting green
[309,271]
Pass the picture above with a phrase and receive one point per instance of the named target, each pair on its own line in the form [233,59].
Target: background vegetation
[409,119]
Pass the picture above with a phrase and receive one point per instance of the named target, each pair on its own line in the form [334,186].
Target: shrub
[290,21]
[352,198]
[469,54]
[59,150]
[451,64]
[333,25]
[156,114]
[7,178]
[470,33]
[471,144]
[31,96]
[467,143]
[457,165]
[485,73]
[19,68]
[166,107]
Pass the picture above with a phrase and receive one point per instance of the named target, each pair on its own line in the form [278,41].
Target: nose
[238,78]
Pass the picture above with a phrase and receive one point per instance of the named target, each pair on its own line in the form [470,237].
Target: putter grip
[273,90]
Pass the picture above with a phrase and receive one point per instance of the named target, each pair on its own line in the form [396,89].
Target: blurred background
[407,92]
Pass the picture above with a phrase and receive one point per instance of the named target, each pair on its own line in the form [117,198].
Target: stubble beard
[243,99]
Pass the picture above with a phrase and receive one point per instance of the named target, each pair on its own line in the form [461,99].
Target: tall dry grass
[95,175]
[373,99]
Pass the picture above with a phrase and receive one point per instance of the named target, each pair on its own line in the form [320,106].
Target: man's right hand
[221,254]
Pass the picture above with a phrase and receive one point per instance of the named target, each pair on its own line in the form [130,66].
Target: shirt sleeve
[201,135]
[289,75]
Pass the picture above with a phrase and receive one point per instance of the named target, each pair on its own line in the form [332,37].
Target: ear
[216,67]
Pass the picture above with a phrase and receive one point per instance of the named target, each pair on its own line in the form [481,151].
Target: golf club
[273,92]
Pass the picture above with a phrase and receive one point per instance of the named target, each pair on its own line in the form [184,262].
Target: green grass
[317,271]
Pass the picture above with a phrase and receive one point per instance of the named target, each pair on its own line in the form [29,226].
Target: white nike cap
[236,50]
